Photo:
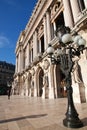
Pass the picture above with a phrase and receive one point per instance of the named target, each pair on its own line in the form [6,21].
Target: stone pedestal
[48,27]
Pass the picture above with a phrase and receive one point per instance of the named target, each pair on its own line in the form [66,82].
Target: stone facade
[35,75]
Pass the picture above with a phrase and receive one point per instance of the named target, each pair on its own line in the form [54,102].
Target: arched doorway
[60,83]
[40,82]
[29,84]
[41,74]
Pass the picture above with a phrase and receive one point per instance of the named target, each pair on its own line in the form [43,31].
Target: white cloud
[4,41]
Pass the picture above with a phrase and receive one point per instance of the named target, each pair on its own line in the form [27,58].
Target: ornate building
[7,71]
[35,75]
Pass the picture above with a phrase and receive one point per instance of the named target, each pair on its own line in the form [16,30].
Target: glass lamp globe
[76,39]
[66,38]
[50,50]
[81,42]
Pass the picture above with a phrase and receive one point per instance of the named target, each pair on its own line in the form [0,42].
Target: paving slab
[35,113]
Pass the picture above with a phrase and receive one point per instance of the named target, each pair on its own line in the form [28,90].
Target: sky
[14,16]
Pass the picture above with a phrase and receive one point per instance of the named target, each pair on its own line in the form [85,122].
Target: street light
[69,46]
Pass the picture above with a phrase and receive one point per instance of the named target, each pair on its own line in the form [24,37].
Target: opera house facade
[35,75]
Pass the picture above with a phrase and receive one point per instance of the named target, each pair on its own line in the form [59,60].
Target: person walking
[9,92]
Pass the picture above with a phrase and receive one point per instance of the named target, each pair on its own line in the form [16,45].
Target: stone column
[39,46]
[35,44]
[26,86]
[23,59]
[85,1]
[48,27]
[16,70]
[19,60]
[18,63]
[27,55]
[67,14]
[45,32]
[54,26]
[51,82]
[75,9]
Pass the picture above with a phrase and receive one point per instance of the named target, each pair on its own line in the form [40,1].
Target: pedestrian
[9,92]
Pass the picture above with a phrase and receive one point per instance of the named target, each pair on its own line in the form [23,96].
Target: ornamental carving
[55,8]
[46,64]
[40,29]
[33,72]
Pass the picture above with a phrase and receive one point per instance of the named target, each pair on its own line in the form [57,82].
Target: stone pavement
[25,113]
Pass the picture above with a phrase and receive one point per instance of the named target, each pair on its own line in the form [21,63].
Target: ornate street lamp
[69,47]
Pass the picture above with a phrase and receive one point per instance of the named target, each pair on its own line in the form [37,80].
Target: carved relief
[33,72]
[55,8]
[40,29]
[46,64]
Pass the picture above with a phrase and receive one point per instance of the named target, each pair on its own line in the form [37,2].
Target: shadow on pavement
[21,118]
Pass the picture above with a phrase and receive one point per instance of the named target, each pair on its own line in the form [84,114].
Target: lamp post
[69,46]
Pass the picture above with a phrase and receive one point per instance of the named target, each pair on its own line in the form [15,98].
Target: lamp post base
[72,123]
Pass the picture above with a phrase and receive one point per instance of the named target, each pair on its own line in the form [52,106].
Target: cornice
[32,24]
[34,12]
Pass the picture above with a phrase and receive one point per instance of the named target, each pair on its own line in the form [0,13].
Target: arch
[39,81]
[60,84]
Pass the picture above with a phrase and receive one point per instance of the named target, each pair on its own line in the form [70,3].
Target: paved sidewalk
[24,113]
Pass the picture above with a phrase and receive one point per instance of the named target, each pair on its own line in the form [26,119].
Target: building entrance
[60,83]
[41,74]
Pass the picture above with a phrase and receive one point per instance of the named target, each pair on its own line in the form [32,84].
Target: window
[38,47]
[31,55]
[42,44]
[60,20]
[81,4]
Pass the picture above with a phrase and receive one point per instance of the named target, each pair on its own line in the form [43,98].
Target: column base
[51,93]
[72,123]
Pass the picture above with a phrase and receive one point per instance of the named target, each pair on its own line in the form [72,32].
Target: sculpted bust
[46,64]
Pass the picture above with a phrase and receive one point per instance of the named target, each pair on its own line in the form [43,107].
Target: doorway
[40,90]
